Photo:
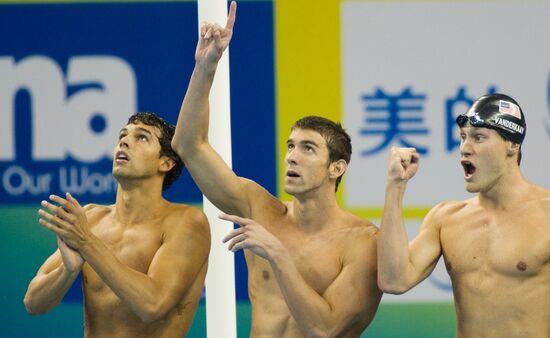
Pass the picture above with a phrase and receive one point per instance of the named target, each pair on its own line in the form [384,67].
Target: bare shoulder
[364,227]
[446,210]
[183,217]
[93,208]
[544,196]
[452,207]
[185,234]
[359,238]
[540,205]
[357,230]
[262,202]
[96,212]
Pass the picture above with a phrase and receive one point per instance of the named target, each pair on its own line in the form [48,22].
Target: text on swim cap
[509,125]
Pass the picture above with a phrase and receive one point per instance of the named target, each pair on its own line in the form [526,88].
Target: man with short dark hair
[311,265]
[143,259]
[496,245]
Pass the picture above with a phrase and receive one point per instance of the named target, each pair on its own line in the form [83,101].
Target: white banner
[410,68]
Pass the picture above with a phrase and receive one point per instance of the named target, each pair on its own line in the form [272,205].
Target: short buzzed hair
[337,139]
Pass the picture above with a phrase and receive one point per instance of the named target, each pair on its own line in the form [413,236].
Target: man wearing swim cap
[143,259]
[311,265]
[496,245]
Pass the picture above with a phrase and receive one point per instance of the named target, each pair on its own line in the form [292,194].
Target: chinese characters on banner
[408,69]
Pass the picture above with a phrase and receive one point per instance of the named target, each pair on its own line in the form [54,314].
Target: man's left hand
[67,219]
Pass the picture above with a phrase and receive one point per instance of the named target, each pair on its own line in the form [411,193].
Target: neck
[315,211]
[138,201]
[507,191]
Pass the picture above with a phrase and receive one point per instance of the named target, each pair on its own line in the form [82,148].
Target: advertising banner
[408,69]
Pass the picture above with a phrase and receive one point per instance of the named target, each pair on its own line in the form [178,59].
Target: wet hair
[166,133]
[338,141]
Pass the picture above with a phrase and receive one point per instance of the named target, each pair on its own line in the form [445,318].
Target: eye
[121,135]
[289,146]
[143,138]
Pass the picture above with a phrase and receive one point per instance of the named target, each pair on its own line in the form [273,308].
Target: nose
[465,147]
[290,156]
[123,142]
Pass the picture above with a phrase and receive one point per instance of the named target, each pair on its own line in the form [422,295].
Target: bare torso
[319,258]
[499,263]
[135,246]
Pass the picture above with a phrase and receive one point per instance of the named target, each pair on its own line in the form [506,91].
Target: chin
[289,190]
[118,174]
[293,191]
[115,170]
[472,188]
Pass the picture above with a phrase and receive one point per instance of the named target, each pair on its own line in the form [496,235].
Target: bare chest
[511,245]
[133,246]
[317,259]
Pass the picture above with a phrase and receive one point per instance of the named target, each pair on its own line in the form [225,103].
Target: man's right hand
[403,164]
[214,39]
[71,258]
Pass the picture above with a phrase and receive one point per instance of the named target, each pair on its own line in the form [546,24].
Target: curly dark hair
[338,140]
[165,139]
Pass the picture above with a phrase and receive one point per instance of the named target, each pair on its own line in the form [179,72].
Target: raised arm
[401,266]
[53,279]
[174,268]
[212,175]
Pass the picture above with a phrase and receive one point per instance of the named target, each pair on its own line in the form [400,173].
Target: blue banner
[72,74]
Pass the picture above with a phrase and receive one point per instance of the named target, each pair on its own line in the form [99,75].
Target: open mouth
[291,173]
[121,157]
[469,168]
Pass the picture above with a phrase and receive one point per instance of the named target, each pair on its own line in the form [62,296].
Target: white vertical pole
[220,280]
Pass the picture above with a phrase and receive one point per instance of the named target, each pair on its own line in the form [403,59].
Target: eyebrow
[478,130]
[304,142]
[138,128]
[144,130]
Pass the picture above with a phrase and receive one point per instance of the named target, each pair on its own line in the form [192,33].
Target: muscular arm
[402,266]
[174,267]
[50,284]
[172,271]
[353,294]
[212,175]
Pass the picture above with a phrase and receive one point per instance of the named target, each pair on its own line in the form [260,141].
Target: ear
[512,149]
[166,164]
[337,168]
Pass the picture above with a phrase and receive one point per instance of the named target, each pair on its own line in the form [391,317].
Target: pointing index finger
[233,218]
[231,16]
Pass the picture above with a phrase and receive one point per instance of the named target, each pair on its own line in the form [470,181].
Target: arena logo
[64,140]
